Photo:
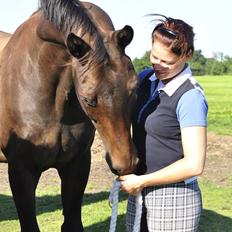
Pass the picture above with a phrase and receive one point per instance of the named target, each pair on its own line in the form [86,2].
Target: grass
[216,217]
[96,211]
[217,200]
[217,203]
[218,90]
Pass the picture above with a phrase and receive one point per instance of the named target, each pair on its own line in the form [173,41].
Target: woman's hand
[131,184]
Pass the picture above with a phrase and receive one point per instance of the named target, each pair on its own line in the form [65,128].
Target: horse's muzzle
[137,168]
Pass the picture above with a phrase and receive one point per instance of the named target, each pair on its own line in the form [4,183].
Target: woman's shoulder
[145,72]
[192,108]
[194,93]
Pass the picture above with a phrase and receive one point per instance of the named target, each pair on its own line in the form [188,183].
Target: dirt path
[218,168]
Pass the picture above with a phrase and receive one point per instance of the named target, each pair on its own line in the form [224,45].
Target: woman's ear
[189,54]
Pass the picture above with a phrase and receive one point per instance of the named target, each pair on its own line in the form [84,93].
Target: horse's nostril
[109,162]
[108,159]
[115,171]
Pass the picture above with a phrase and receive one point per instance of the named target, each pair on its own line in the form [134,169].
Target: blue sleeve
[144,73]
[192,109]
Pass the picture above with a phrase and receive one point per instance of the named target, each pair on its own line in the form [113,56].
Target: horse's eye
[90,101]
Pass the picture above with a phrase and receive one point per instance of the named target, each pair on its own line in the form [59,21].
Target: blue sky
[211,20]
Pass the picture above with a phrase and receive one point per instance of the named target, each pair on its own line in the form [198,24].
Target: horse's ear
[125,36]
[77,46]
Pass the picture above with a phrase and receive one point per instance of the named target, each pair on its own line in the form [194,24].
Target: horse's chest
[75,139]
[52,146]
[70,142]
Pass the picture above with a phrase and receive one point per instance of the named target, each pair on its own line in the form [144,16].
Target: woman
[169,131]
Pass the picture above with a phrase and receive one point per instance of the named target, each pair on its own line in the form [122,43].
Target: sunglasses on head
[167,31]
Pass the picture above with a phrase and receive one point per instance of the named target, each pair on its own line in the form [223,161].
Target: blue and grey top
[161,112]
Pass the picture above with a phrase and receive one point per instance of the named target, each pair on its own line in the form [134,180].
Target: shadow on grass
[214,222]
[47,203]
[105,225]
[210,221]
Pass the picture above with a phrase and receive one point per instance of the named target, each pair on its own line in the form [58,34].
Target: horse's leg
[23,183]
[74,178]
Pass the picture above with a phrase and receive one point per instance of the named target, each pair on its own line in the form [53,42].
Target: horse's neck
[53,50]
[43,74]
[47,32]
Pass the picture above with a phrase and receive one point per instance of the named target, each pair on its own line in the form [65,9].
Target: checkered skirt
[169,208]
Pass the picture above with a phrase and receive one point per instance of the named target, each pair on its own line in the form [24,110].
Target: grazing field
[216,217]
[218,90]
[216,182]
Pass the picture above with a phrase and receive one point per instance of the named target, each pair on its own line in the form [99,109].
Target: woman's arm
[194,146]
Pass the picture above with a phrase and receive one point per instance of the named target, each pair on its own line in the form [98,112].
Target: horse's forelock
[63,13]
[70,15]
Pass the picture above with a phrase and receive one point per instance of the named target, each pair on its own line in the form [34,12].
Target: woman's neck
[169,79]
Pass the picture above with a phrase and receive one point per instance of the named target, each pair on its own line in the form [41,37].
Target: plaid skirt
[169,208]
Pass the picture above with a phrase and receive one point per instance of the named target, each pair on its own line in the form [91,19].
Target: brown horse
[64,73]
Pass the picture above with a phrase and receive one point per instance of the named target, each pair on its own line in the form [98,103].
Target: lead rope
[113,200]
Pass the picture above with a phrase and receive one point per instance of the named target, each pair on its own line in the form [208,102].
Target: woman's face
[165,63]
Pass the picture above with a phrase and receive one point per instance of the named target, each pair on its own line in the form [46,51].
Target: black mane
[69,16]
[66,15]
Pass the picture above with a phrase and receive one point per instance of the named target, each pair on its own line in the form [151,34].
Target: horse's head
[106,90]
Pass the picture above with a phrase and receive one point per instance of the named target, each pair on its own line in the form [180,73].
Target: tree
[215,67]
[197,63]
[228,64]
[143,62]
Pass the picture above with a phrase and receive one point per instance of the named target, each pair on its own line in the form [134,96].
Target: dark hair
[176,34]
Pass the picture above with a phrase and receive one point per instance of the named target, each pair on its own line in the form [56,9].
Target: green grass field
[218,90]
[216,217]
[217,200]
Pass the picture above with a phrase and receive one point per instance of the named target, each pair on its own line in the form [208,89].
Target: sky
[211,20]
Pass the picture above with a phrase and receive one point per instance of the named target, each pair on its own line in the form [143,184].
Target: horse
[64,73]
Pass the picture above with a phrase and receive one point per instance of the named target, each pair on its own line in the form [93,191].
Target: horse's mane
[70,15]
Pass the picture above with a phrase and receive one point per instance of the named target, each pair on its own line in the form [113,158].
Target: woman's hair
[176,34]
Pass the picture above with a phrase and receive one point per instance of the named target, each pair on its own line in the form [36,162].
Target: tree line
[219,64]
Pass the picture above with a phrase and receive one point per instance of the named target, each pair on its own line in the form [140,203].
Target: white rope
[138,212]
[113,200]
